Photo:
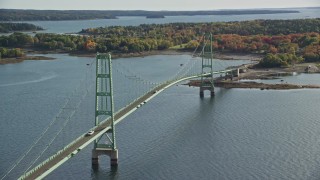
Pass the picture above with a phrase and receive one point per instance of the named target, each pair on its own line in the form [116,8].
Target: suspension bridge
[103,133]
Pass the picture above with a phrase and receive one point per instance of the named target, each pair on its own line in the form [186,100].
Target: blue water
[239,134]
[76,26]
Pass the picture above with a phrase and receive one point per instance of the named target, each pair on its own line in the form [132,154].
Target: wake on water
[48,77]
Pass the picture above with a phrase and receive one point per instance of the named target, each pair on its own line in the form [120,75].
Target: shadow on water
[206,104]
[110,173]
[209,104]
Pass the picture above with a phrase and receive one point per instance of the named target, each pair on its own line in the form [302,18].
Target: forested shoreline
[13,27]
[57,15]
[281,42]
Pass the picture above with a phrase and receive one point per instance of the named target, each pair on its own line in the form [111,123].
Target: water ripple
[45,78]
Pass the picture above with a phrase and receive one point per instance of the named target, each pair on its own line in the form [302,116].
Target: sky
[154,5]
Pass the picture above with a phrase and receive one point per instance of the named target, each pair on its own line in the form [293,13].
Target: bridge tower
[104,108]
[207,82]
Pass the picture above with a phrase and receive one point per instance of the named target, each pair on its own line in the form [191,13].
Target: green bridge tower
[207,83]
[106,144]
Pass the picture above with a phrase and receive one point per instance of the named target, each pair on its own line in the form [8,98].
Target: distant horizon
[163,5]
[162,10]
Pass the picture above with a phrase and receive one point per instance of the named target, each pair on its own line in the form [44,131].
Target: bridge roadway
[81,142]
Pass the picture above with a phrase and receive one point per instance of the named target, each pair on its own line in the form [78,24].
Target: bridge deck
[73,148]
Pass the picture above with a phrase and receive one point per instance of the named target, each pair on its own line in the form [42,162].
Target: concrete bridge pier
[201,94]
[202,89]
[112,153]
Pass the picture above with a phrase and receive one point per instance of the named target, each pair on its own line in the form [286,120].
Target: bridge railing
[24,176]
[167,83]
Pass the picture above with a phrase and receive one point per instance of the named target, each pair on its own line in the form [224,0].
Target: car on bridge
[90,133]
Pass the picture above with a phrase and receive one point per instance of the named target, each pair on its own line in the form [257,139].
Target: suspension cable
[176,76]
[58,133]
[44,132]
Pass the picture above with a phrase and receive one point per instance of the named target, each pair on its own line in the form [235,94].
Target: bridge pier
[201,94]
[113,154]
[202,89]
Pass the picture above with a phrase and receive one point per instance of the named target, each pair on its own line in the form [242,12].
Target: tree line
[10,53]
[287,41]
[172,30]
[12,27]
[51,15]
[40,15]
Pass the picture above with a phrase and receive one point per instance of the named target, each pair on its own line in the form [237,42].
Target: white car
[90,133]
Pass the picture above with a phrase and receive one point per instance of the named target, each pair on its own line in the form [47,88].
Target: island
[15,27]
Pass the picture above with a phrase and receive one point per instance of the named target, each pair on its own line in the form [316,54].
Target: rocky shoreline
[250,72]
[262,86]
[21,59]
